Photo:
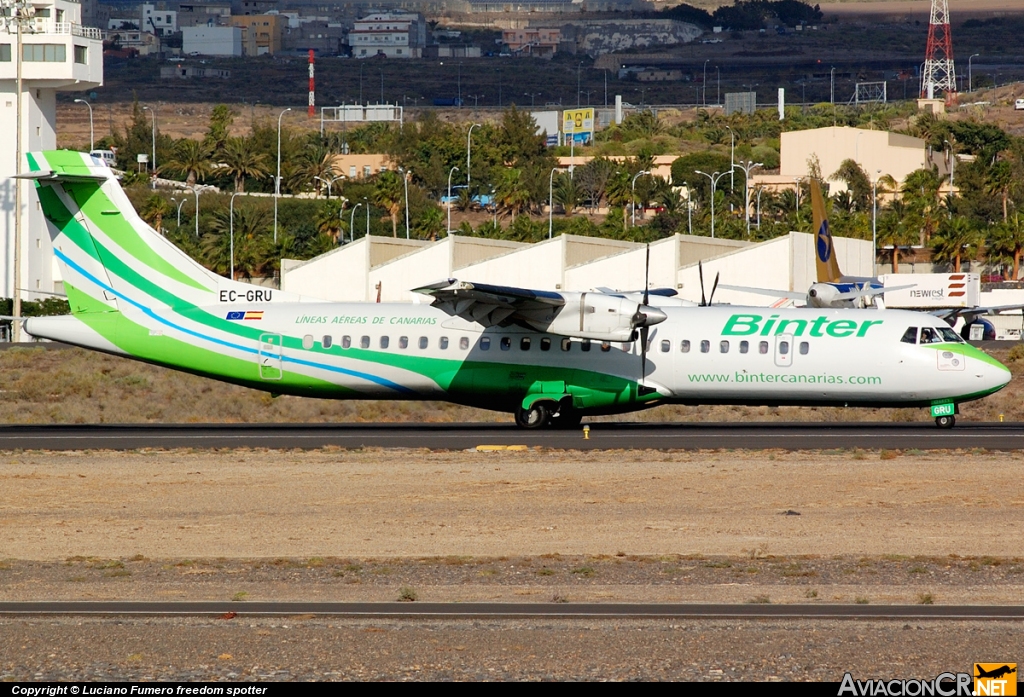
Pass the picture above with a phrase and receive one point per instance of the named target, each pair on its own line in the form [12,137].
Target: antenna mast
[939,73]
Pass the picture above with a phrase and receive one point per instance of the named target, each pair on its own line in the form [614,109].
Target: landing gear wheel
[566,418]
[536,416]
[945,421]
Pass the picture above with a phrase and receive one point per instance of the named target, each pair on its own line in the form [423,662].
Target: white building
[391,35]
[388,268]
[58,54]
[204,40]
[160,22]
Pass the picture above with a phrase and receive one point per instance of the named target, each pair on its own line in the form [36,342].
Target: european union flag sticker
[236,315]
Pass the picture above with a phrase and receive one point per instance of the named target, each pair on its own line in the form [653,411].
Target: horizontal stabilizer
[62,177]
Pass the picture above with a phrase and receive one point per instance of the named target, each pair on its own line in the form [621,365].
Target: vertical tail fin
[825,253]
[106,252]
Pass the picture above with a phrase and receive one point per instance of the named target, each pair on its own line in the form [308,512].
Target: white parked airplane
[549,358]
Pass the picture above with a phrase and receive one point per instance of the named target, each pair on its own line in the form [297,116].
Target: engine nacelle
[595,316]
[824,295]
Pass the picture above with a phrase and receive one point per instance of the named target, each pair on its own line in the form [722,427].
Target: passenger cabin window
[506,343]
[606,346]
[910,336]
[384,341]
[763,347]
[585,345]
[423,342]
[684,346]
[364,342]
[566,344]
[804,348]
[705,346]
[442,343]
[744,346]
[464,343]
[723,347]
[307,341]
[524,344]
[783,348]
[346,342]
[545,344]
[403,342]
[666,345]
[327,341]
[485,343]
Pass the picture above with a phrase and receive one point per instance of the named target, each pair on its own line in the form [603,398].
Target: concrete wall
[212,41]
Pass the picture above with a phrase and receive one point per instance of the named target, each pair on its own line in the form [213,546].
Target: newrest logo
[995,679]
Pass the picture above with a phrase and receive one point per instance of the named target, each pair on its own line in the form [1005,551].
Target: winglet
[825,253]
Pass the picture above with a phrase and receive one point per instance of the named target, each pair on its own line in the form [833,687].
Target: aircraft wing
[972,313]
[873,290]
[584,315]
[792,295]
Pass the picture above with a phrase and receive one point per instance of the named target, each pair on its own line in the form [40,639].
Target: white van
[1019,105]
[105,156]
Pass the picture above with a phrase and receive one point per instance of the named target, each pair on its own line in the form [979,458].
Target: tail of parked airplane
[108,255]
[825,253]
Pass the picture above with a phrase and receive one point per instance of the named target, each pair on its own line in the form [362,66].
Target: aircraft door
[269,357]
[784,350]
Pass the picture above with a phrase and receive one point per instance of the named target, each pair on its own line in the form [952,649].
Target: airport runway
[520,610]
[684,436]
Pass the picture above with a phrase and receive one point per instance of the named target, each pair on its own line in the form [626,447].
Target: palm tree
[240,159]
[328,219]
[253,247]
[567,193]
[893,230]
[512,193]
[154,210]
[921,194]
[620,192]
[999,182]
[430,223]
[954,241]
[388,194]
[1007,241]
[191,159]
[314,166]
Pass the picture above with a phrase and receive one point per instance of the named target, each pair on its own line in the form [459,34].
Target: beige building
[261,34]
[662,166]
[361,166]
[879,153]
[540,42]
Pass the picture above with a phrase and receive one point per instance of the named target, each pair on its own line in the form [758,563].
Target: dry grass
[77,386]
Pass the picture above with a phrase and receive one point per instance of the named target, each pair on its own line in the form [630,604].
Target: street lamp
[367,202]
[874,223]
[450,172]
[760,189]
[732,160]
[92,133]
[152,112]
[277,179]
[351,224]
[196,192]
[952,166]
[469,146]
[328,183]
[405,180]
[832,89]
[714,182]
[704,84]
[747,169]
[532,96]
[182,203]
[689,210]
[970,75]
[632,194]
[551,201]
[797,181]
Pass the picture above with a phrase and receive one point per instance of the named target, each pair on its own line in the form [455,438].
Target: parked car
[107,157]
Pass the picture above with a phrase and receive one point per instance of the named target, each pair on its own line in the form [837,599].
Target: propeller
[645,330]
[705,302]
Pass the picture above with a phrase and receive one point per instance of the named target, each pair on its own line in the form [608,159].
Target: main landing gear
[945,421]
[547,414]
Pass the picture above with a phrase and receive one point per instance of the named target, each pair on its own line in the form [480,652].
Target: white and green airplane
[549,358]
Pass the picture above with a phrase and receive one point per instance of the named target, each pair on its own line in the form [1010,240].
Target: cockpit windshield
[931,335]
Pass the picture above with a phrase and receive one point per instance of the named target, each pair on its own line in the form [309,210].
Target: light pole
[328,183]
[460,85]
[970,75]
[277,179]
[704,84]
[152,113]
[551,201]
[182,203]
[450,172]
[632,193]
[578,67]
[405,180]
[367,202]
[797,181]
[952,166]
[231,229]
[714,182]
[194,191]
[341,220]
[874,224]
[351,223]
[759,190]
[732,160]
[832,89]
[689,210]
[469,148]
[718,93]
[21,14]
[533,97]
[92,133]
[747,169]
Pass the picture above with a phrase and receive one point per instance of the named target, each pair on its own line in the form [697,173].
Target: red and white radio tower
[938,62]
[312,89]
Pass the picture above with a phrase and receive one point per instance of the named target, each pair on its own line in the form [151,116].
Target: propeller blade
[645,332]
[647,275]
[713,289]
[700,270]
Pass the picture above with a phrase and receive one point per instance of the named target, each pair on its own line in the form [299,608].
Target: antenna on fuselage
[714,287]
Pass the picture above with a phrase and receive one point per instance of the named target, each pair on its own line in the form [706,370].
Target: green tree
[242,160]
[155,210]
[1007,243]
[857,184]
[388,194]
[567,193]
[191,160]
[955,241]
[221,119]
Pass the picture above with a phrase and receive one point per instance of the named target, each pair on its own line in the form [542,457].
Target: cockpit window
[950,335]
[930,336]
[910,336]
